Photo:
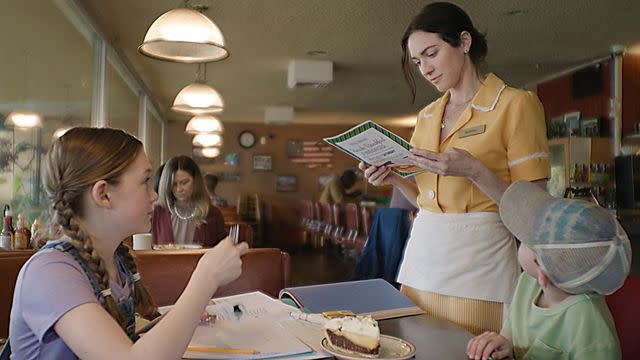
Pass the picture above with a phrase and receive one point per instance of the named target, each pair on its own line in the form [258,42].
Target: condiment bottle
[22,234]
[6,237]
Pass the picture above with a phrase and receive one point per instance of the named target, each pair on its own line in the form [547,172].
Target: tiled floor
[318,266]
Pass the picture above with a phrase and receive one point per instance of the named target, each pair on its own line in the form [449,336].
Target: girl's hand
[489,345]
[378,175]
[223,261]
[452,162]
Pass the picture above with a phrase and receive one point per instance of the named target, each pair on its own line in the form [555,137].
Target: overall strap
[66,247]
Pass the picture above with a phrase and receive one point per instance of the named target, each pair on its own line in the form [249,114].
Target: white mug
[142,241]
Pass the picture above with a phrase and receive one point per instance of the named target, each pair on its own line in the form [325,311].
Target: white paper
[256,328]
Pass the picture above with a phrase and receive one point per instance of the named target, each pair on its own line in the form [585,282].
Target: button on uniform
[432,194]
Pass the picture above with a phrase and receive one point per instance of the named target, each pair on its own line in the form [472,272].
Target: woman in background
[183,213]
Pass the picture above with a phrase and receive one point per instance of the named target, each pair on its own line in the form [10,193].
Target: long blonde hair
[199,197]
[76,161]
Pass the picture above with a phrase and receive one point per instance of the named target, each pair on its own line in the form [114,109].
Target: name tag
[471,131]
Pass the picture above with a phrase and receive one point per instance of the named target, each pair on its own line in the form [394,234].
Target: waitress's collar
[484,100]
[488,95]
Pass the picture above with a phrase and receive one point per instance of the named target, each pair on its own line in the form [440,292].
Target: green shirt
[580,327]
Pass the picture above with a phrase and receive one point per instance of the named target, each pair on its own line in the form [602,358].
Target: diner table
[433,338]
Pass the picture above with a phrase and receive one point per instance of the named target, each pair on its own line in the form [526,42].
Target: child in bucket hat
[573,252]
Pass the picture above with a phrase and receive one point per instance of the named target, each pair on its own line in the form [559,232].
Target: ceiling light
[210,152]
[24,119]
[184,35]
[207,140]
[198,98]
[204,124]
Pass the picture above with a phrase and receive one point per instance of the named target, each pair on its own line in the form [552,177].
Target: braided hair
[76,161]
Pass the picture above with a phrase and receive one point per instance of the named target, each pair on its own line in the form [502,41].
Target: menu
[375,145]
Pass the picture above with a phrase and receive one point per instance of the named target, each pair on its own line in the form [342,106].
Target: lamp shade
[24,119]
[210,152]
[204,124]
[186,36]
[198,98]
[207,140]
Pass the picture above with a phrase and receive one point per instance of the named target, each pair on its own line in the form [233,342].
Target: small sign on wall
[286,183]
[262,162]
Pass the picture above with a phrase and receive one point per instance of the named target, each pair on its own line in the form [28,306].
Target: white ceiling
[362,38]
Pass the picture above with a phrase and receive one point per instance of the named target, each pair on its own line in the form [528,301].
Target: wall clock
[247,139]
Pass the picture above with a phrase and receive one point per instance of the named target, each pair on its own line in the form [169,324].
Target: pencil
[222,350]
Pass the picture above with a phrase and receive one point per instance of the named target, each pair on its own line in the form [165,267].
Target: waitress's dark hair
[448,21]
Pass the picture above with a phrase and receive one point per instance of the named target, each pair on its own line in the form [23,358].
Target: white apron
[470,255]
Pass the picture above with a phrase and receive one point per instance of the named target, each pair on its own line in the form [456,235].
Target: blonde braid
[84,244]
[145,306]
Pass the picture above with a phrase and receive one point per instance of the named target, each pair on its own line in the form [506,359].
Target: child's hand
[489,345]
[223,261]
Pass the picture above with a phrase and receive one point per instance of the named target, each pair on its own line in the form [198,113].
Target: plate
[391,348]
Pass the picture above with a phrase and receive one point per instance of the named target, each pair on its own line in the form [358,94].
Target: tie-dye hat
[579,245]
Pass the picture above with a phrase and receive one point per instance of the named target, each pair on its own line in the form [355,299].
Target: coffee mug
[142,241]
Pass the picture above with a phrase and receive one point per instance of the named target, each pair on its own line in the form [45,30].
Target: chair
[326,223]
[166,273]
[352,233]
[367,217]
[624,306]
[338,224]
[10,264]
[306,218]
[230,214]
[250,210]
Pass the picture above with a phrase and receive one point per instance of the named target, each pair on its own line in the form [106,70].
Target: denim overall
[127,306]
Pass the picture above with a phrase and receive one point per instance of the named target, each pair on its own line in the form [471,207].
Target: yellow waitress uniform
[460,262]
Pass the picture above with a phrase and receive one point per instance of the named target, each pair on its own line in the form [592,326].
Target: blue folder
[363,297]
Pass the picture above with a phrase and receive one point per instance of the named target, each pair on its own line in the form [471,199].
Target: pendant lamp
[210,152]
[184,35]
[204,124]
[24,119]
[207,140]
[198,98]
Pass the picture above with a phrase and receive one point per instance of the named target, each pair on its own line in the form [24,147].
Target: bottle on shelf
[22,234]
[6,237]
[35,233]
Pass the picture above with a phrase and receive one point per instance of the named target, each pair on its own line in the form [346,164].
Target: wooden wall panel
[630,93]
[556,96]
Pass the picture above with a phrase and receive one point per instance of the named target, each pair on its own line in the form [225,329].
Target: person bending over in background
[341,189]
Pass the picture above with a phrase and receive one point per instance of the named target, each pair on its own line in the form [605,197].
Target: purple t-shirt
[49,284]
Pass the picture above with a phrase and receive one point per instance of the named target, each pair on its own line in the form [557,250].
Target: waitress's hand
[452,162]
[378,175]
[222,262]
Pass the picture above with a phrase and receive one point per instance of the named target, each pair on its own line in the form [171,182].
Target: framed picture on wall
[286,183]
[262,162]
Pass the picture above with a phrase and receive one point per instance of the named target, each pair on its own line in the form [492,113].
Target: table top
[433,338]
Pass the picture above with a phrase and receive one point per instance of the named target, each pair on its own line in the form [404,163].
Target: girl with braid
[77,296]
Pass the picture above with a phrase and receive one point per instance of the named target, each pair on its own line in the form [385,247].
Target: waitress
[460,262]
[183,213]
